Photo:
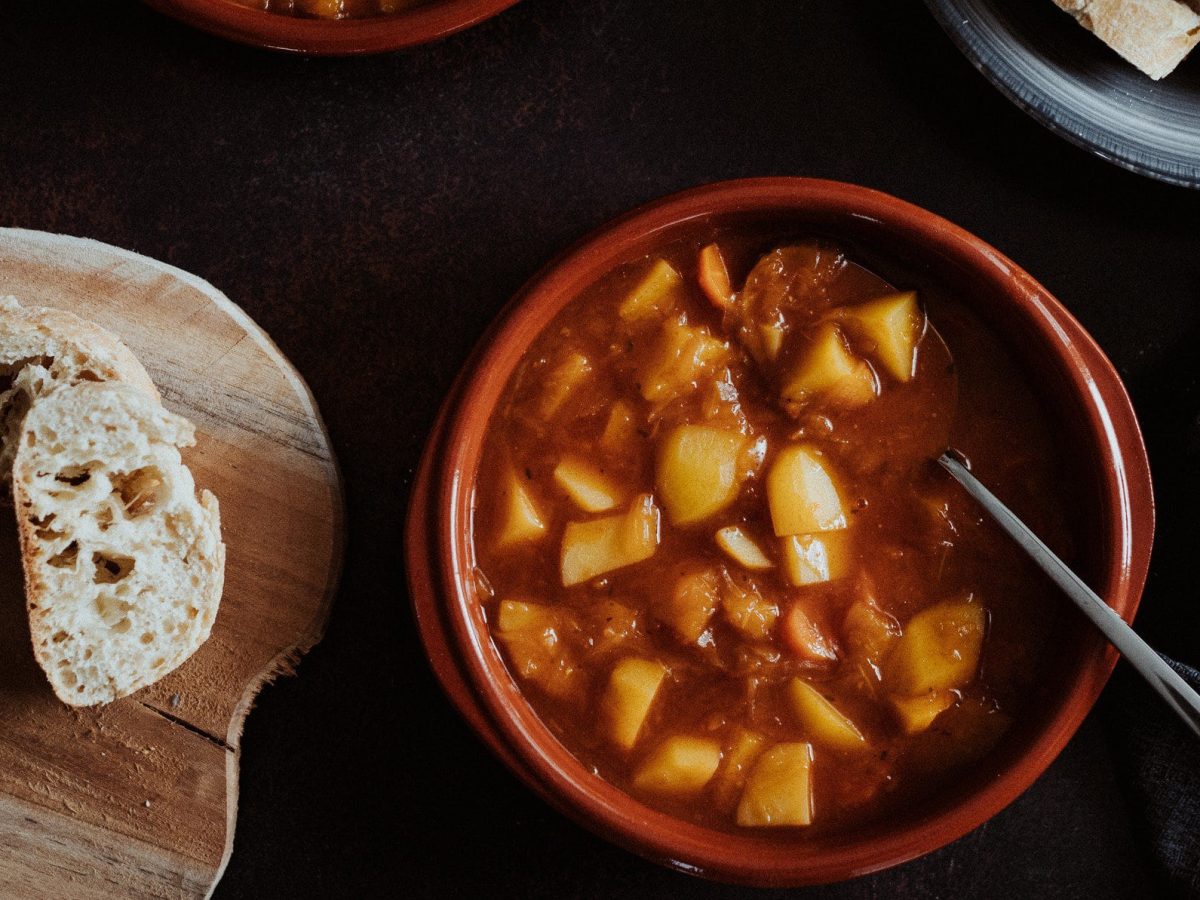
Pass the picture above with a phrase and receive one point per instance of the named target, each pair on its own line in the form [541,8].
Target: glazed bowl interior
[1097,435]
[409,27]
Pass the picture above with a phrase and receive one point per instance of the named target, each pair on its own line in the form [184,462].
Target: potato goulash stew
[332,9]
[715,554]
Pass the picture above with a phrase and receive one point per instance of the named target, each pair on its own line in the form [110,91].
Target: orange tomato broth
[913,541]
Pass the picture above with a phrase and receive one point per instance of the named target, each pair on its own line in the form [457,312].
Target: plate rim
[941,12]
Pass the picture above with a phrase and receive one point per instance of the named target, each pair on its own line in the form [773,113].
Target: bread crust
[19,323]
[42,348]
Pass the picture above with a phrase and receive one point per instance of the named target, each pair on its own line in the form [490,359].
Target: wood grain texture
[139,798]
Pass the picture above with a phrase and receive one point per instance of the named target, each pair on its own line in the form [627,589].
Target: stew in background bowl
[332,27]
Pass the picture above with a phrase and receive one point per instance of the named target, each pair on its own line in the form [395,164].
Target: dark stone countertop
[374,214]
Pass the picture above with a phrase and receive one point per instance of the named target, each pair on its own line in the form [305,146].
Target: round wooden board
[139,798]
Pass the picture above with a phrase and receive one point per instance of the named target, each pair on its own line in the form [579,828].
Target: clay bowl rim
[473,674]
[328,37]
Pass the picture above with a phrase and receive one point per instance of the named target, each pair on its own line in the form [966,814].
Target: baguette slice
[42,348]
[1154,35]
[124,566]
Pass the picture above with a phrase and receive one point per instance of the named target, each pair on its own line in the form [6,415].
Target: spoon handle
[1177,692]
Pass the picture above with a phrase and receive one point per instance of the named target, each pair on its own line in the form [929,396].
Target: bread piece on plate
[1154,35]
[42,348]
[124,565]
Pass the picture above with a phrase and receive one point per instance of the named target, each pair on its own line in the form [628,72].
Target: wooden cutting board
[139,798]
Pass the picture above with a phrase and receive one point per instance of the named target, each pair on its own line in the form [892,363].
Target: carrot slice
[714,277]
[805,639]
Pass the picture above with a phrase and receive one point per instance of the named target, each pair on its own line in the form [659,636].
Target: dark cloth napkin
[1159,758]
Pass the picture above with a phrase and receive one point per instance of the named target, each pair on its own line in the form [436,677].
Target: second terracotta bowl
[331,37]
[1098,435]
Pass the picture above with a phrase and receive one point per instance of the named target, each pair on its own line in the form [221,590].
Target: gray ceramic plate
[1074,85]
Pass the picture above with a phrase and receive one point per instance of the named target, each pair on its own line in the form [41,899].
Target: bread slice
[42,348]
[1154,35]
[124,565]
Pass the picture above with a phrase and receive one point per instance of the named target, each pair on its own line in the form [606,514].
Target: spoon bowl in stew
[1177,693]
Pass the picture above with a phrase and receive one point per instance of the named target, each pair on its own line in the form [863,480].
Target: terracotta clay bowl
[1098,435]
[331,37]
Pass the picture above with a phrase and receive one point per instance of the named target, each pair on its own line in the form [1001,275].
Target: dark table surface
[374,214]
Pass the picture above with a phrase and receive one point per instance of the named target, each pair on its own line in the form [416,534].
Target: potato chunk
[916,714]
[742,549]
[816,558]
[620,427]
[683,354]
[597,546]
[531,633]
[653,295]
[714,277]
[680,765]
[801,493]
[522,521]
[697,471]
[741,751]
[747,610]
[939,649]
[770,337]
[515,615]
[627,699]
[562,382]
[586,485]
[690,604]
[823,721]
[779,789]
[894,325]
[830,372]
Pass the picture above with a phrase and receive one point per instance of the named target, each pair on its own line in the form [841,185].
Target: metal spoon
[1177,692]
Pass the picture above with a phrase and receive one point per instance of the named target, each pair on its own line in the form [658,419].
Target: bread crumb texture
[124,564]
